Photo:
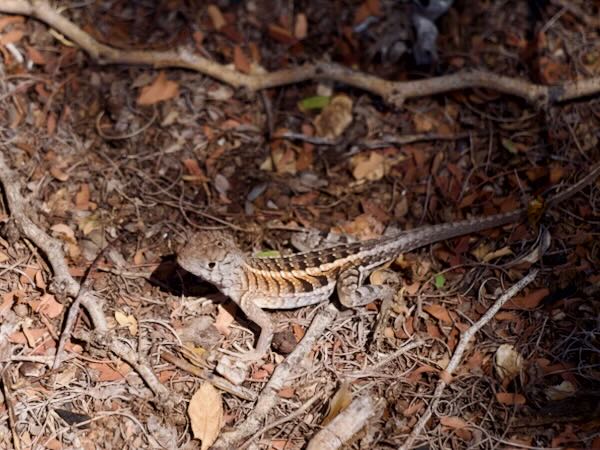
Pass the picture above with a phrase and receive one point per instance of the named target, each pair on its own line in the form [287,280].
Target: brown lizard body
[302,279]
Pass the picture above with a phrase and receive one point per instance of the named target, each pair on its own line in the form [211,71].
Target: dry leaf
[128,321]
[8,300]
[483,253]
[39,280]
[508,362]
[240,60]
[34,335]
[82,198]
[10,20]
[369,166]
[362,227]
[64,231]
[49,306]
[206,414]
[196,173]
[87,224]
[528,301]
[11,37]
[560,391]
[284,159]
[107,373]
[413,409]
[335,117]
[453,422]
[301,26]
[224,320]
[508,398]
[3,257]
[58,173]
[339,402]
[439,312]
[286,392]
[216,17]
[35,56]
[161,89]
[298,332]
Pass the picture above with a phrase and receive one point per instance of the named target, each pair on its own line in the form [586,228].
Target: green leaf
[315,102]
[268,254]
[510,146]
[440,281]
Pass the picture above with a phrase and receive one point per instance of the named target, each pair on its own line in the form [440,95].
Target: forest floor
[135,158]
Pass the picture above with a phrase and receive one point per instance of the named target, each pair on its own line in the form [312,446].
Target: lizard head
[213,256]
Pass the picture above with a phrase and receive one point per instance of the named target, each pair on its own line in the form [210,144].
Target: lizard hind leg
[352,294]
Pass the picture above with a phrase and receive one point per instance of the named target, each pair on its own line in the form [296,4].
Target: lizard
[258,283]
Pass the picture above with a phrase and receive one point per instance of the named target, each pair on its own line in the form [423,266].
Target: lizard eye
[211,265]
[219,244]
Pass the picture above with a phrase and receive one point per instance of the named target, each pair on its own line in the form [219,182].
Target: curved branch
[395,92]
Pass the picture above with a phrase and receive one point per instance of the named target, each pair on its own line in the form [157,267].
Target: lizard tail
[419,237]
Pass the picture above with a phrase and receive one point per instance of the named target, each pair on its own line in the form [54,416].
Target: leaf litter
[219,158]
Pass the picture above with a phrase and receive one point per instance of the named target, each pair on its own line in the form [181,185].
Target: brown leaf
[64,231]
[206,414]
[507,398]
[127,320]
[34,335]
[527,302]
[341,399]
[286,392]
[439,312]
[335,117]
[413,409]
[11,37]
[506,315]
[196,173]
[82,198]
[35,56]
[51,123]
[453,422]
[298,332]
[40,283]
[216,17]
[49,306]
[301,26]
[280,34]
[8,300]
[159,90]
[58,173]
[364,226]
[240,60]
[370,166]
[106,372]
[8,20]
[224,320]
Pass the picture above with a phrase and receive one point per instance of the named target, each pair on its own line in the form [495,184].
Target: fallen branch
[268,397]
[65,285]
[446,375]
[347,423]
[394,92]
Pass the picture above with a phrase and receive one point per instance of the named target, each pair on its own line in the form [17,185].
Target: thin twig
[446,375]
[66,285]
[268,397]
[218,381]
[74,309]
[395,92]
[12,421]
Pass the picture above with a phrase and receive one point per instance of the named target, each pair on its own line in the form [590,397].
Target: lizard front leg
[352,294]
[263,320]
